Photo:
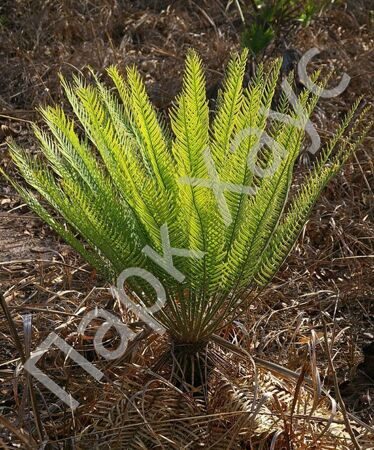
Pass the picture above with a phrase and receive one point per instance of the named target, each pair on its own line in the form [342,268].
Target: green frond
[296,216]
[153,141]
[116,178]
[226,119]
[199,218]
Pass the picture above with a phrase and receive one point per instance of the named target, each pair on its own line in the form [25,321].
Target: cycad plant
[121,186]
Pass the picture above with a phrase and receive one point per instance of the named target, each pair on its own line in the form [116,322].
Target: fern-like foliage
[118,178]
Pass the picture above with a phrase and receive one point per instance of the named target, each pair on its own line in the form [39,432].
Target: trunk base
[188,366]
[191,367]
